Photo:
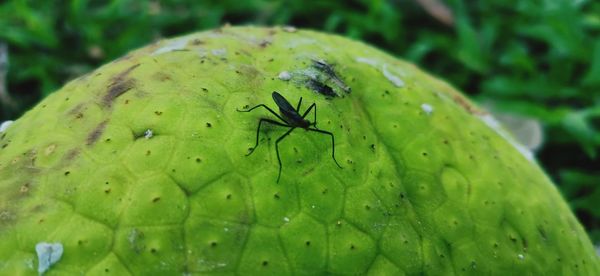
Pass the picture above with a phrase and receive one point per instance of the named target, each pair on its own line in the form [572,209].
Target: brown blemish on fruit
[72,154]
[119,85]
[264,43]
[161,76]
[196,42]
[77,111]
[464,103]
[96,133]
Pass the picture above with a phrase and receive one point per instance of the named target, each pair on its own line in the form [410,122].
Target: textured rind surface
[433,191]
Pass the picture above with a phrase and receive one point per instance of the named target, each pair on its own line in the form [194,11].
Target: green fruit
[140,167]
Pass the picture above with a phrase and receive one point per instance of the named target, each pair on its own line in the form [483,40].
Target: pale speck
[48,254]
[285,76]
[219,52]
[148,134]
[313,206]
[521,257]
[5,125]
[286,219]
[427,108]
[226,229]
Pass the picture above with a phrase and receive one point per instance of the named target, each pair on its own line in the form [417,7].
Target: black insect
[291,118]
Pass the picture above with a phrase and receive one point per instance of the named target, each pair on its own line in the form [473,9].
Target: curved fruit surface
[140,167]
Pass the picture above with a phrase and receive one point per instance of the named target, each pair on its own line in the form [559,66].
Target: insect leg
[299,103]
[262,105]
[258,131]
[314,105]
[332,143]
[277,150]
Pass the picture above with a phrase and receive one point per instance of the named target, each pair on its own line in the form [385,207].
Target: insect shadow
[292,119]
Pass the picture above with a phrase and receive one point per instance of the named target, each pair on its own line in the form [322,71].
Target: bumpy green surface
[434,191]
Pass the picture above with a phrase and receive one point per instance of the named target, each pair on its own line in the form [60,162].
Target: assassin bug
[291,118]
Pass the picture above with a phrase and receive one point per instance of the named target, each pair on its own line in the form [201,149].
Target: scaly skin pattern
[140,168]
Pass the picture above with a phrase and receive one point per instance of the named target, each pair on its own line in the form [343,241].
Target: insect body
[292,119]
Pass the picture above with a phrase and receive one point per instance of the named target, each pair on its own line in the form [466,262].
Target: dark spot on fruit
[265,263]
[148,152]
[264,43]
[352,247]
[204,89]
[424,154]
[228,196]
[158,113]
[367,207]
[198,160]
[96,133]
[271,60]
[325,191]
[276,196]
[156,199]
[208,125]
[119,85]
[213,244]
[153,250]
[67,173]
[373,147]
[307,243]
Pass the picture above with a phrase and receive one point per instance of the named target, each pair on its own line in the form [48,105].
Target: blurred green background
[536,59]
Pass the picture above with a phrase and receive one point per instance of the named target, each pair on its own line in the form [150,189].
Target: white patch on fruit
[491,122]
[368,61]
[5,125]
[219,52]
[397,81]
[289,29]
[521,257]
[285,76]
[48,254]
[286,219]
[173,45]
[427,108]
[210,264]
[148,134]
[393,78]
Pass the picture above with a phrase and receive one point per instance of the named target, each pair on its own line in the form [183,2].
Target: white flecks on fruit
[290,29]
[393,78]
[368,61]
[48,254]
[173,45]
[491,122]
[148,134]
[5,125]
[219,52]
[286,219]
[427,108]
[397,81]
[521,257]
[285,76]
